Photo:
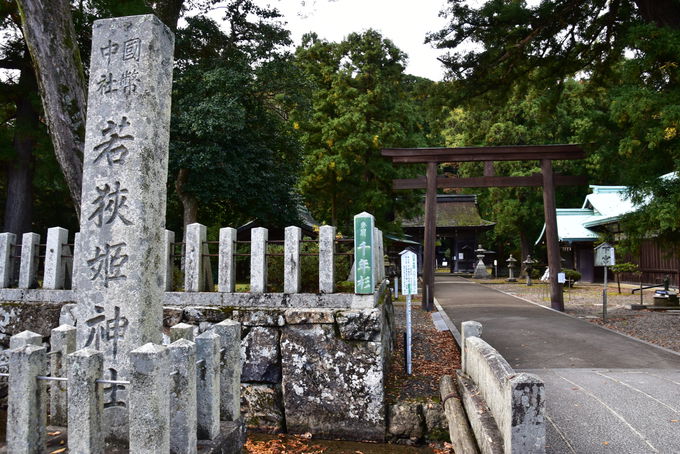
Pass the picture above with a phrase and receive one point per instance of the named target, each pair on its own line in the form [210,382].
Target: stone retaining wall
[304,369]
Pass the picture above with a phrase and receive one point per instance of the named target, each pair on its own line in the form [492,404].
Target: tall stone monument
[120,278]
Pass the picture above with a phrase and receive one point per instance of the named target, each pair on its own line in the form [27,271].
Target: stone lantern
[480,268]
[511,264]
[529,265]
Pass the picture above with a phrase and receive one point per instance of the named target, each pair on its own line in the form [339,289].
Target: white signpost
[604,256]
[409,286]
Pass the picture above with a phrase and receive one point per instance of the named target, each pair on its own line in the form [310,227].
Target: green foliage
[360,102]
[309,268]
[625,267]
[229,127]
[572,275]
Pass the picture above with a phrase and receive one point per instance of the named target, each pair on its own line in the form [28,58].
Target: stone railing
[179,395]
[20,265]
[514,422]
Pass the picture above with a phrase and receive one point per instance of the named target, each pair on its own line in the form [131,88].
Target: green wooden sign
[364,282]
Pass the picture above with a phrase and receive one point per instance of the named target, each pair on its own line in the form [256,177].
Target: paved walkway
[606,393]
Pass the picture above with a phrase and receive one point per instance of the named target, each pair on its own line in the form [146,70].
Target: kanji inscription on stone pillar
[120,275]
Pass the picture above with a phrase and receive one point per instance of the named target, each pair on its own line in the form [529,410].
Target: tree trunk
[51,39]
[189,202]
[19,205]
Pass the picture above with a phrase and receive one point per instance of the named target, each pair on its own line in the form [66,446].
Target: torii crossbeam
[547,179]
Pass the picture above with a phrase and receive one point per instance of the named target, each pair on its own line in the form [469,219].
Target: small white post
[194,278]
[226,272]
[291,260]
[29,260]
[604,296]
[408,331]
[327,259]
[55,272]
[169,244]
[7,242]
[258,259]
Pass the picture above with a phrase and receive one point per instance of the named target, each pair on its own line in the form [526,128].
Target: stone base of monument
[231,439]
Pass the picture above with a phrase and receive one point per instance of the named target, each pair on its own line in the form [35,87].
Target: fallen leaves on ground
[434,354]
[446,449]
[283,445]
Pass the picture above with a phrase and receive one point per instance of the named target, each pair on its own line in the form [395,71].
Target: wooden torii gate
[431,182]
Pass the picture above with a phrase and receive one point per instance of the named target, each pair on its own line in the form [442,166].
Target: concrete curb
[581,320]
[449,323]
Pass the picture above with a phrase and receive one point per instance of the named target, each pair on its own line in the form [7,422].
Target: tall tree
[359,104]
[232,147]
[20,121]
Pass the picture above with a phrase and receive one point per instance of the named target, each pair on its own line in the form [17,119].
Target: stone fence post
[26,401]
[194,277]
[25,338]
[29,260]
[86,402]
[258,259]
[168,261]
[327,259]
[208,385]
[149,400]
[291,260]
[230,369]
[55,269]
[63,343]
[525,424]
[182,331]
[7,242]
[183,397]
[226,273]
[469,328]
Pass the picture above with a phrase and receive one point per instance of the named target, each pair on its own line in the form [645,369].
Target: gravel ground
[585,301]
